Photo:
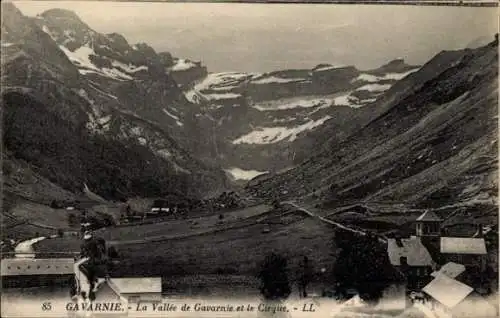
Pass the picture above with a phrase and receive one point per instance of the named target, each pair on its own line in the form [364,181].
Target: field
[233,245]
[28,219]
[176,228]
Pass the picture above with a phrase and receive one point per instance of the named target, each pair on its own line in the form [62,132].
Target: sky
[265,37]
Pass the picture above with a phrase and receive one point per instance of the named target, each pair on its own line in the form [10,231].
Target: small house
[159,207]
[31,272]
[428,224]
[137,289]
[469,251]
[412,258]
[451,269]
[451,298]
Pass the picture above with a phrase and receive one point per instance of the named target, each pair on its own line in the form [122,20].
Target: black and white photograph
[244,159]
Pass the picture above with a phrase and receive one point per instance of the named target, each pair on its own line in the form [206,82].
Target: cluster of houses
[448,275]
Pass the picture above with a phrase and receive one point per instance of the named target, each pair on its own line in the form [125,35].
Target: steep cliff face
[245,123]
[267,122]
[85,98]
[431,140]
[185,71]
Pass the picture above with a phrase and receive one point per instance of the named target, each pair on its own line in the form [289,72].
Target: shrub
[273,274]
[112,252]
[362,264]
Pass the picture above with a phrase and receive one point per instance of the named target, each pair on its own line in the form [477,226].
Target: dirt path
[323,219]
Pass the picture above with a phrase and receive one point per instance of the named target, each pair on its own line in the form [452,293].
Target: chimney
[399,242]
[479,232]
[403,262]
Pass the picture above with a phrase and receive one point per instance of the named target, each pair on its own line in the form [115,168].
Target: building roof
[136,285]
[463,245]
[429,216]
[450,269]
[412,248]
[447,291]
[36,266]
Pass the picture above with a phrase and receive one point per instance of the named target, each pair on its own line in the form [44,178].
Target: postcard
[244,159]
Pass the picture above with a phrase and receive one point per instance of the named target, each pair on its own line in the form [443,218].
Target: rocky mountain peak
[66,20]
[10,10]
[117,38]
[166,58]
[97,86]
[326,67]
[141,46]
[11,17]
[395,66]
[61,14]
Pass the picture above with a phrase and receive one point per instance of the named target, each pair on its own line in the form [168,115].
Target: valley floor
[229,243]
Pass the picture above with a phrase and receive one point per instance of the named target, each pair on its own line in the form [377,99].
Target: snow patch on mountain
[98,125]
[293,103]
[274,79]
[216,86]
[195,97]
[389,76]
[374,87]
[81,58]
[183,65]
[345,100]
[177,120]
[129,68]
[216,96]
[241,174]
[270,135]
[83,94]
[330,67]
[95,87]
[222,81]
[352,101]
[367,78]
[104,120]
[142,141]
[284,120]
[399,76]
[47,30]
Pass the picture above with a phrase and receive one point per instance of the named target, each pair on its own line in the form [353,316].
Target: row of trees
[361,264]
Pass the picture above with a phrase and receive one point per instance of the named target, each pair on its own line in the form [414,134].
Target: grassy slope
[431,144]
[230,250]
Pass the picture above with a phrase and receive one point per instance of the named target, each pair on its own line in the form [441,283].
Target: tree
[72,220]
[274,277]
[362,264]
[54,205]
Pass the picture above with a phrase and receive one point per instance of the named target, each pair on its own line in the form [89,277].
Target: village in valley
[447,270]
[139,181]
[438,268]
